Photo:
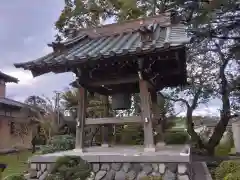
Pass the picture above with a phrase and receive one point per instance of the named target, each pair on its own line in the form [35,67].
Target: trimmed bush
[226,168]
[59,143]
[175,137]
[70,167]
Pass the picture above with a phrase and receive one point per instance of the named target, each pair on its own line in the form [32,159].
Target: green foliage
[16,177]
[224,148]
[221,151]
[95,106]
[70,167]
[39,140]
[226,168]
[232,176]
[130,134]
[175,137]
[151,178]
[59,143]
[79,14]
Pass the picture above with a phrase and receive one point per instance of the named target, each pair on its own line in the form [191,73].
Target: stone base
[78,150]
[105,145]
[116,163]
[152,149]
[122,171]
[136,171]
[160,144]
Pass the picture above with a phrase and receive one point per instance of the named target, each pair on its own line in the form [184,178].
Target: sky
[26,27]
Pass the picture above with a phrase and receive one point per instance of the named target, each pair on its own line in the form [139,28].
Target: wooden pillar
[105,128]
[146,116]
[82,104]
[156,110]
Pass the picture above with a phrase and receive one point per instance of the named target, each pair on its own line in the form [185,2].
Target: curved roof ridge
[8,78]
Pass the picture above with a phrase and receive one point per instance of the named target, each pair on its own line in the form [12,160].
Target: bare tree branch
[175,100]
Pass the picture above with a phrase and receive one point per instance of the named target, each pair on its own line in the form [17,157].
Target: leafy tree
[82,13]
[95,104]
[215,36]
[45,114]
[20,130]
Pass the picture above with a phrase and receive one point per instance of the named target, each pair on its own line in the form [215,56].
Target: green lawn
[16,163]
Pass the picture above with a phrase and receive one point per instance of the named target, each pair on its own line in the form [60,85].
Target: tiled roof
[112,41]
[11,102]
[8,78]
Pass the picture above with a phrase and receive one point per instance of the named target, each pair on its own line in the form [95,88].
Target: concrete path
[200,171]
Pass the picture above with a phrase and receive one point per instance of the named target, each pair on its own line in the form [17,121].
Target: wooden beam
[82,104]
[113,120]
[131,79]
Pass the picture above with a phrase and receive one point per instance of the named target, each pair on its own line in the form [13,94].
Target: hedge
[228,170]
[179,137]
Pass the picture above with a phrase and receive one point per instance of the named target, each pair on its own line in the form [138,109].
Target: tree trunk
[190,129]
[218,131]
[226,109]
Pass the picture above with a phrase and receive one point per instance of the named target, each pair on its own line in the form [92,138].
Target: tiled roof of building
[18,104]
[110,41]
[10,102]
[8,78]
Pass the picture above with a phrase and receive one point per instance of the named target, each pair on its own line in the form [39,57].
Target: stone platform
[124,162]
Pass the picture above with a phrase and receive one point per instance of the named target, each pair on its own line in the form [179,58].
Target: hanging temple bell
[121,101]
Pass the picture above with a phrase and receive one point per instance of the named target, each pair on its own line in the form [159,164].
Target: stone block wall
[136,171]
[123,171]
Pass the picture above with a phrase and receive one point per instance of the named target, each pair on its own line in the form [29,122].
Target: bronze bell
[121,101]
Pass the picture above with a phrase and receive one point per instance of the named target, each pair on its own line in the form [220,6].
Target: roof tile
[113,40]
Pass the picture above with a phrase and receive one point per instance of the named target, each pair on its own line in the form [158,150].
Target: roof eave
[36,70]
[8,78]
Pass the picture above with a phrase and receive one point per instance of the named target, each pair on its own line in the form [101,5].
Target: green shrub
[232,176]
[224,147]
[16,177]
[70,167]
[40,140]
[59,143]
[151,178]
[221,151]
[175,137]
[226,168]
[131,134]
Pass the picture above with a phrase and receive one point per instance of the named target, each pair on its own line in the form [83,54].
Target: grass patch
[233,151]
[16,162]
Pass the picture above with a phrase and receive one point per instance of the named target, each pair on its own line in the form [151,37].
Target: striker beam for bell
[121,101]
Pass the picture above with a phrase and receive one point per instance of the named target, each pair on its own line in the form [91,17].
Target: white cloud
[24,77]
[202,111]
[28,40]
